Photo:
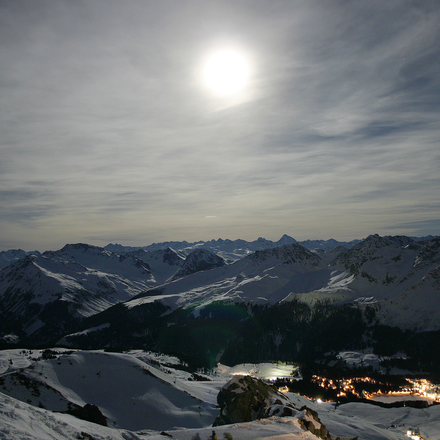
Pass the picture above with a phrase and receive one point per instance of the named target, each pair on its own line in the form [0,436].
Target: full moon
[226,72]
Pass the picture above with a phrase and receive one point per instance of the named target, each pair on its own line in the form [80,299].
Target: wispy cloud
[108,131]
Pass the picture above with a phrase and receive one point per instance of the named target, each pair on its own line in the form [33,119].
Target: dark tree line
[290,331]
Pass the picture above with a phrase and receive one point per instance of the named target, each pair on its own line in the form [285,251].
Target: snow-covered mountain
[79,280]
[12,255]
[417,307]
[264,277]
[396,275]
[232,250]
[89,277]
[164,263]
[399,275]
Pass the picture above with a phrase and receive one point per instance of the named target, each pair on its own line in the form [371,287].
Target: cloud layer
[108,133]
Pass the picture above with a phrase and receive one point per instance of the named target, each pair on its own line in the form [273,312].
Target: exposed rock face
[245,398]
[89,412]
[310,421]
[197,260]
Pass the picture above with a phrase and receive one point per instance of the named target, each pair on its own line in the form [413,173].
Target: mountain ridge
[231,250]
[42,297]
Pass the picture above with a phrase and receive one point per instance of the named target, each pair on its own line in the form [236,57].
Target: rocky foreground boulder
[246,398]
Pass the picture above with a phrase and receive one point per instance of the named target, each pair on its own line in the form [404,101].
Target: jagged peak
[261,240]
[361,250]
[286,239]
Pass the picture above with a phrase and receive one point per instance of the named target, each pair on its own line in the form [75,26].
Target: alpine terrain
[82,327]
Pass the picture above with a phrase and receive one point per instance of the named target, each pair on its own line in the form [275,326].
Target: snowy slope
[262,277]
[82,275]
[101,260]
[381,269]
[417,307]
[20,421]
[79,280]
[164,263]
[123,386]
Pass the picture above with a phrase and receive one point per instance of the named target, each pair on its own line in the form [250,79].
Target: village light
[414,434]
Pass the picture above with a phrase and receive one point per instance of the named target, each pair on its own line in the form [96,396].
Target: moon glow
[226,72]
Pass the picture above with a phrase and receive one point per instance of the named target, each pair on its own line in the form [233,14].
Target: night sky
[110,132]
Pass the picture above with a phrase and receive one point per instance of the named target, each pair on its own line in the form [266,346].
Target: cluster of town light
[416,387]
[425,388]
[343,385]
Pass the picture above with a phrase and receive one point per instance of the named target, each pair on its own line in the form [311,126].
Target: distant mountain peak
[285,239]
[375,240]
[262,240]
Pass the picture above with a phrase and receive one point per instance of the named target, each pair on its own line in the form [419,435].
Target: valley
[144,395]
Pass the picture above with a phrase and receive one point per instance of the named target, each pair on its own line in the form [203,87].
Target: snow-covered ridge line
[397,274]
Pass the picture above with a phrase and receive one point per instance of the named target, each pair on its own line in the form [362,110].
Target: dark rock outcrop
[245,398]
[310,421]
[198,260]
[90,413]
